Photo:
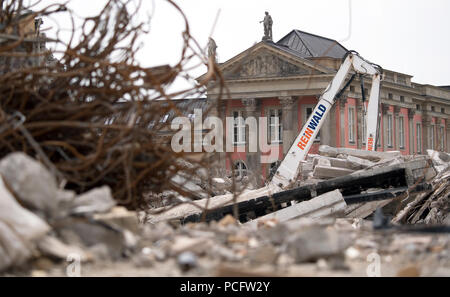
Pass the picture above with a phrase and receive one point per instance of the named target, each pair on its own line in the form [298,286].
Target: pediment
[264,63]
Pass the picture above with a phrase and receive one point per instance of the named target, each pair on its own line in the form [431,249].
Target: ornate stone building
[284,80]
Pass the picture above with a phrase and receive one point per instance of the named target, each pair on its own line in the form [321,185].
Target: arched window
[240,169]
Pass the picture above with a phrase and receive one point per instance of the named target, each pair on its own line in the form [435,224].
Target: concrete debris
[324,205]
[321,233]
[315,243]
[327,172]
[325,150]
[119,216]
[53,247]
[34,185]
[20,229]
[95,201]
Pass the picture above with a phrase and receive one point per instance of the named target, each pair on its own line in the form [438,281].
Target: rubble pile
[391,208]
[39,220]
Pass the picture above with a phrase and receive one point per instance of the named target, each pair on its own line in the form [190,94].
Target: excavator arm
[289,168]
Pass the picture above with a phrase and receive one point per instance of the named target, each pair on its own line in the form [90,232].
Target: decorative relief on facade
[266,65]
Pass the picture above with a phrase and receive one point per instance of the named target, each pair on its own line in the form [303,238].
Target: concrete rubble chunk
[92,233]
[315,243]
[321,161]
[33,184]
[441,160]
[326,172]
[184,243]
[120,216]
[19,230]
[97,200]
[327,204]
[356,163]
[329,151]
[53,247]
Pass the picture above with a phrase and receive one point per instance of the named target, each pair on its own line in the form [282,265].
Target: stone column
[395,127]
[447,133]
[411,134]
[342,127]
[222,112]
[383,133]
[328,130]
[287,104]
[426,122]
[253,158]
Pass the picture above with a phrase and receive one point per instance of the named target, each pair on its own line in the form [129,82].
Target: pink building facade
[284,80]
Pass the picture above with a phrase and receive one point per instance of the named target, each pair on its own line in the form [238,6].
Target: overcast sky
[408,36]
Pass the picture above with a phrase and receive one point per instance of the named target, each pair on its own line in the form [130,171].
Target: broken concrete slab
[53,247]
[315,243]
[184,210]
[120,216]
[33,185]
[19,230]
[97,200]
[92,233]
[324,205]
[321,161]
[326,172]
[356,163]
[375,156]
[187,244]
[334,162]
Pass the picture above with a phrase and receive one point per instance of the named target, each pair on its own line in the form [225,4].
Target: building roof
[307,45]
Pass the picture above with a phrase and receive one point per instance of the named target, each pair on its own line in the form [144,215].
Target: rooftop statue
[267,27]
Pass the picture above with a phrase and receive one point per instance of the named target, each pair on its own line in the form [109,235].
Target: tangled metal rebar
[93,116]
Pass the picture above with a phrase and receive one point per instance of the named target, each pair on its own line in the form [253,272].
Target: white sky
[408,36]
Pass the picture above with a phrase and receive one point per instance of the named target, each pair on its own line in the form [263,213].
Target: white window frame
[401,132]
[239,127]
[419,138]
[390,130]
[240,168]
[275,129]
[351,124]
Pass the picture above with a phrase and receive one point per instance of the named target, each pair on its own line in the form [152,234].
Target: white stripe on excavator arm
[372,113]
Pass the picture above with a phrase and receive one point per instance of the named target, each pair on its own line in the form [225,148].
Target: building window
[432,108]
[364,128]
[419,138]
[441,140]
[442,110]
[389,130]
[309,111]
[417,106]
[352,89]
[239,128]
[432,137]
[240,170]
[402,98]
[275,126]
[390,96]
[401,127]
[351,124]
